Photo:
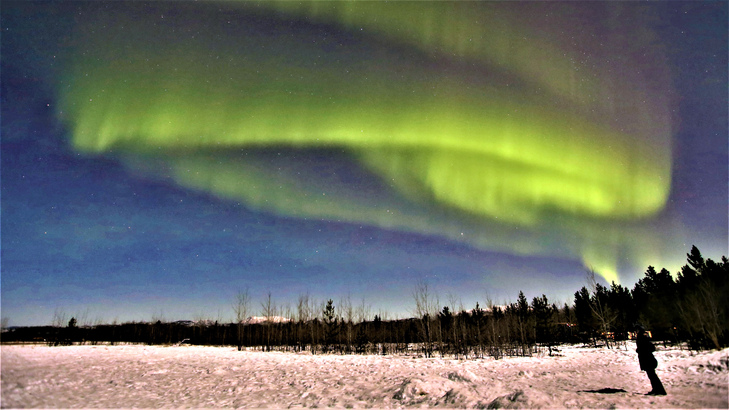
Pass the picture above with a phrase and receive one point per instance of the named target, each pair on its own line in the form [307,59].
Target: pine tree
[330,324]
[583,313]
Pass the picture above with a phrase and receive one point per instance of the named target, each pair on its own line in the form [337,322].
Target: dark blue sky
[109,238]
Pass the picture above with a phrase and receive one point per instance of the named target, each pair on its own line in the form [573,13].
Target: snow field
[200,376]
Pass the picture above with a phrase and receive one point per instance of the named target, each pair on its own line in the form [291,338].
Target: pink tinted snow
[198,376]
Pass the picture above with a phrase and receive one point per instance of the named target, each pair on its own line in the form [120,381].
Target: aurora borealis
[532,132]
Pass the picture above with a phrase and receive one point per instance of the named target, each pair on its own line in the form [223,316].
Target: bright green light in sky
[473,119]
[461,29]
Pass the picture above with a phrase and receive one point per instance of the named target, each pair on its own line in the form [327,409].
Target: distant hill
[253,320]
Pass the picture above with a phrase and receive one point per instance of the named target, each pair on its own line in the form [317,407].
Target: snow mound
[414,392]
[515,400]
[462,376]
[454,398]
[716,362]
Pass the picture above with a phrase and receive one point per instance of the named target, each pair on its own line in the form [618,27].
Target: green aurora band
[484,135]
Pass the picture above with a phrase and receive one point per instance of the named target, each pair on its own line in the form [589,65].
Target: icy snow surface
[197,376]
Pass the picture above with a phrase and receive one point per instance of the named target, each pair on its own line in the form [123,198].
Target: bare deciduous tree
[701,312]
[268,310]
[426,309]
[241,307]
[347,314]
[59,318]
[364,311]
[600,309]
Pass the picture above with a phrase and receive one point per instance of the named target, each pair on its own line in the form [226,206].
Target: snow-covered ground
[192,376]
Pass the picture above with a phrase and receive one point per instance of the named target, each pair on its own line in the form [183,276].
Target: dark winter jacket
[645,351]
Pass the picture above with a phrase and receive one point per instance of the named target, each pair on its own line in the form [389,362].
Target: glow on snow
[445,102]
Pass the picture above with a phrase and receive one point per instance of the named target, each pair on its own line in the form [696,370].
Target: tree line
[692,309]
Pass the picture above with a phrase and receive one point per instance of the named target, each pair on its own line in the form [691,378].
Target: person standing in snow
[648,362]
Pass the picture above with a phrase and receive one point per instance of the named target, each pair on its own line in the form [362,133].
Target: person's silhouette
[648,362]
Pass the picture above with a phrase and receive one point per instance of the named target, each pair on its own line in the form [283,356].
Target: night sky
[157,158]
